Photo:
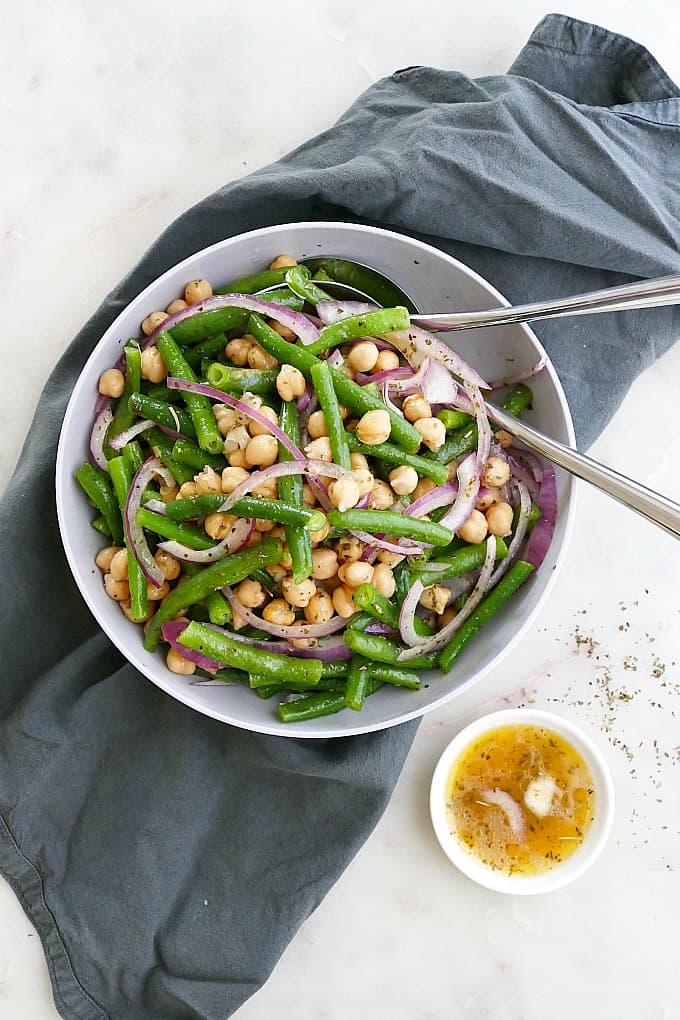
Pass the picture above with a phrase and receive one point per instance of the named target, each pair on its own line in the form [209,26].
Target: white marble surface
[118,118]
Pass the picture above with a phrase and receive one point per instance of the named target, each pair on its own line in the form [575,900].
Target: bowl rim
[275,727]
[596,837]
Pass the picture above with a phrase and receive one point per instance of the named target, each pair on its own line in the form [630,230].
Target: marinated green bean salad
[306,496]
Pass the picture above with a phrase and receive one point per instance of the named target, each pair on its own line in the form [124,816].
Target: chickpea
[302,642]
[279,612]
[154,594]
[282,261]
[363,356]
[358,462]
[250,400]
[344,493]
[251,594]
[365,481]
[259,358]
[153,367]
[237,621]
[236,439]
[319,449]
[176,663]
[308,496]
[263,526]
[343,602]
[196,291]
[433,432]
[232,477]
[168,564]
[416,406]
[316,425]
[219,524]
[152,322]
[324,564]
[169,493]
[496,472]
[424,486]
[348,549]
[187,490]
[390,559]
[436,598]
[386,361]
[449,614]
[111,382]
[277,572]
[487,499]
[225,418]
[178,305]
[499,519]
[475,528]
[262,451]
[207,482]
[356,573]
[117,590]
[383,580]
[403,480]
[374,427]
[320,608]
[322,534]
[268,489]
[237,458]
[256,428]
[290,383]
[298,594]
[286,559]
[504,439]
[119,566]
[104,557]
[284,332]
[382,497]
[343,411]
[237,350]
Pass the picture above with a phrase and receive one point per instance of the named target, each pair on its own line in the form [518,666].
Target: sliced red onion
[173,433]
[483,427]
[439,386]
[238,536]
[157,506]
[363,502]
[532,460]
[305,400]
[510,808]
[468,490]
[375,541]
[336,360]
[134,532]
[385,394]
[332,649]
[523,473]
[309,630]
[518,537]
[407,615]
[124,437]
[171,632]
[442,637]
[416,345]
[295,321]
[100,403]
[543,530]
[443,495]
[98,436]
[334,311]
[512,380]
[390,375]
[282,469]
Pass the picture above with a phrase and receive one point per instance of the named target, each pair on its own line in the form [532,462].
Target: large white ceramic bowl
[436,282]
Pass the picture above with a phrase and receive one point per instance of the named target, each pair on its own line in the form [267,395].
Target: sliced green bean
[228,571]
[241,380]
[194,538]
[187,453]
[397,675]
[497,597]
[99,524]
[518,399]
[256,661]
[388,522]
[97,487]
[298,539]
[379,649]
[454,419]
[380,608]
[162,447]
[312,707]
[382,320]
[123,417]
[208,323]
[132,452]
[257,281]
[299,279]
[357,683]
[335,684]
[299,686]
[219,610]
[470,557]
[338,669]
[121,476]
[456,445]
[370,282]
[208,349]
[322,381]
[199,407]
[163,413]
[391,454]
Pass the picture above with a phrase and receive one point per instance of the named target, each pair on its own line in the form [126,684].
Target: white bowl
[561,874]
[436,282]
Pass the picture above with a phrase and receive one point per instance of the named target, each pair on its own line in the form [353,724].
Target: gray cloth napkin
[166,860]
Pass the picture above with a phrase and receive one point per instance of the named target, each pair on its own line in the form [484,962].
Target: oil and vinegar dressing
[521,799]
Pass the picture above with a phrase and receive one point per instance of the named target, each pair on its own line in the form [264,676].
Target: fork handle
[664,290]
[656,508]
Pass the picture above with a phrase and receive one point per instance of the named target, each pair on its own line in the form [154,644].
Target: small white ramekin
[561,874]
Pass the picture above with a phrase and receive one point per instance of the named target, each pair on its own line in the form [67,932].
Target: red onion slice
[124,437]
[157,506]
[390,375]
[298,323]
[407,615]
[443,495]
[134,532]
[305,400]
[468,490]
[510,808]
[512,380]
[282,470]
[544,528]
[238,536]
[483,426]
[171,632]
[375,541]
[311,630]
[98,436]
[438,385]
[334,311]
[336,360]
[332,649]
[518,537]
[521,472]
[416,344]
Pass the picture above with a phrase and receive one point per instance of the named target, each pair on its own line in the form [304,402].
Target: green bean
[258,661]
[489,605]
[454,419]
[354,397]
[321,276]
[258,281]
[226,676]
[249,506]
[219,610]
[187,453]
[370,282]
[252,380]
[208,349]
[99,524]
[283,296]
[335,684]
[97,488]
[397,675]
[163,413]
[132,452]
[121,476]
[328,402]
[205,324]
[162,447]
[379,649]
[534,515]
[265,579]
[357,683]
[312,683]
[380,608]
[194,538]
[393,455]
[123,417]
[518,399]
[299,279]
[388,522]
[360,621]
[470,557]
[382,320]
[228,571]
[460,442]
[338,669]
[160,391]
[312,707]
[199,407]
[298,539]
